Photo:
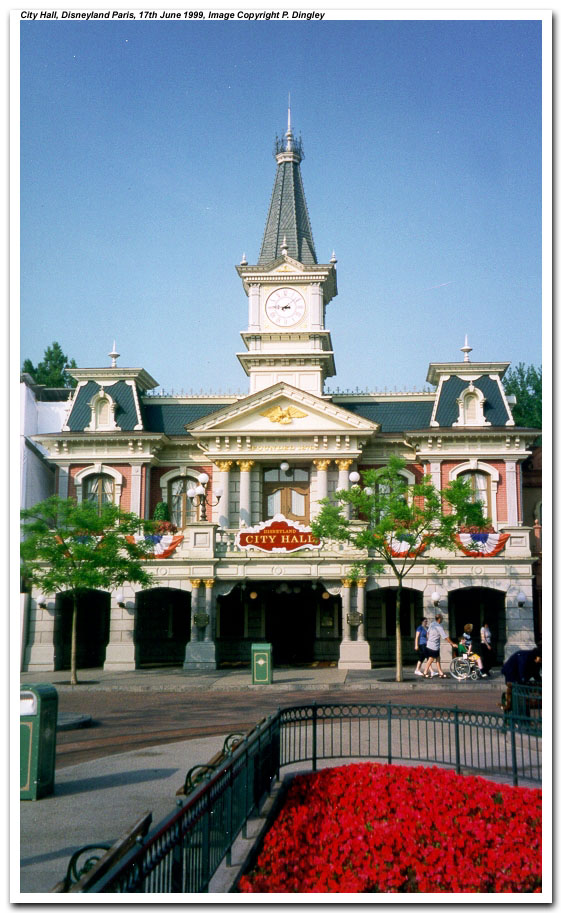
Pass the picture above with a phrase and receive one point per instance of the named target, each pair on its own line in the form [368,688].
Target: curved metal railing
[184,851]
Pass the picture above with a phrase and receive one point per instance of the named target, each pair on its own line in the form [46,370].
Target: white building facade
[245,568]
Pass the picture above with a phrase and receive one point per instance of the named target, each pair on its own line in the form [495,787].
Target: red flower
[364,828]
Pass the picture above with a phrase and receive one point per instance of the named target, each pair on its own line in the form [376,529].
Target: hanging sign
[277,535]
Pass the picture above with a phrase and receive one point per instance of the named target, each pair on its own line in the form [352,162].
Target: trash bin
[261,664]
[38,731]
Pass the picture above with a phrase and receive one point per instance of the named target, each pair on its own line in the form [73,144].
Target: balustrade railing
[184,851]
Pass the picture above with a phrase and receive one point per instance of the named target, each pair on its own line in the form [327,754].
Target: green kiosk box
[38,736]
[261,664]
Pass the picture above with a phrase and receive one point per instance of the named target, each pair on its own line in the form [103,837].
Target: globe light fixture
[521,600]
[284,466]
[198,495]
[435,598]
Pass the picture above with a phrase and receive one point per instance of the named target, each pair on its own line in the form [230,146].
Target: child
[465,647]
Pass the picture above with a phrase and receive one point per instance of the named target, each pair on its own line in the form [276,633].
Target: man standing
[435,634]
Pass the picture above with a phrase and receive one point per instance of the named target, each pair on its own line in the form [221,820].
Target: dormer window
[471,407]
[102,407]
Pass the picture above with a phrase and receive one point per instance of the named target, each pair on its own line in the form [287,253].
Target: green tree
[52,371]
[70,547]
[396,512]
[526,383]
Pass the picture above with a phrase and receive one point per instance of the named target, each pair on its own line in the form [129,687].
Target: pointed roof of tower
[288,230]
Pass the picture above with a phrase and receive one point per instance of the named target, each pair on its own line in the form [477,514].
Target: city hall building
[242,477]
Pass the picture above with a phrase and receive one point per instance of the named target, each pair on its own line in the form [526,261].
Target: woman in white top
[486,646]
[435,633]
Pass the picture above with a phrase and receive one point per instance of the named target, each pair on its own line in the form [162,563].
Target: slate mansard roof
[495,411]
[394,414]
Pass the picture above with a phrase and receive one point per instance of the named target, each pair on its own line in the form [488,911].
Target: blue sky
[147,169]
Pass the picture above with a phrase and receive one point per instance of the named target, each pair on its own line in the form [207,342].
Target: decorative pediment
[282,409]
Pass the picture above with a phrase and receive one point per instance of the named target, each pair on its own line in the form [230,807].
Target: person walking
[435,633]
[420,644]
[486,651]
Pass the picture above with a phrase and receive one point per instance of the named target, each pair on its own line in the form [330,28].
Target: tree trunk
[73,679]
[398,634]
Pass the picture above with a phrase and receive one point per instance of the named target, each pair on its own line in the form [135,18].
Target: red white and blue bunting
[164,545]
[482,545]
[401,548]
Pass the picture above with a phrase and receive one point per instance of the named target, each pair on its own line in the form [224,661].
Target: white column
[223,508]
[245,491]
[511,486]
[361,607]
[345,608]
[343,481]
[321,478]
[435,471]
[209,609]
[316,306]
[147,492]
[195,584]
[136,489]
[63,482]
[254,307]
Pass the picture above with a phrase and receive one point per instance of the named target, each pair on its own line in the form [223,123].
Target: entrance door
[290,623]
[475,605]
[162,627]
[92,629]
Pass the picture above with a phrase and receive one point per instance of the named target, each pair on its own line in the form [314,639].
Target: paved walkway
[99,800]
[305,678]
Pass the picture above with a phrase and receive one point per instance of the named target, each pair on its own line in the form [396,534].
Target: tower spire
[288,230]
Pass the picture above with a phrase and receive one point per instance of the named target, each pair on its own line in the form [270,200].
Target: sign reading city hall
[277,535]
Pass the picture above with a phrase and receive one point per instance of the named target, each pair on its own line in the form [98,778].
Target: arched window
[480,484]
[99,484]
[99,490]
[180,506]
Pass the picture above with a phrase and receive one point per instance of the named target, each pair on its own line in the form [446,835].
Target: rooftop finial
[289,133]
[114,356]
[466,348]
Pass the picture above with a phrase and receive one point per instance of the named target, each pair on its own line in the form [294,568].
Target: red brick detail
[124,470]
[159,471]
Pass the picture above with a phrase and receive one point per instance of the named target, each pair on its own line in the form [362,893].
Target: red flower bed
[379,828]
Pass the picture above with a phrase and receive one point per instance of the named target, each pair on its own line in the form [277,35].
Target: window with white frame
[480,484]
[181,508]
[99,490]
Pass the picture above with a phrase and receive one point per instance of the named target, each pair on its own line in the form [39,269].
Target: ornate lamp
[198,495]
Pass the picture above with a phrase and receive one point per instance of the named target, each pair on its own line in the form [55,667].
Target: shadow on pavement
[107,781]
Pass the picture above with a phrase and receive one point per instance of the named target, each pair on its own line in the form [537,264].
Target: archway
[92,629]
[301,621]
[475,605]
[380,628]
[163,626]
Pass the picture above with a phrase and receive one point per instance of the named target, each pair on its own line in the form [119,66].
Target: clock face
[285,307]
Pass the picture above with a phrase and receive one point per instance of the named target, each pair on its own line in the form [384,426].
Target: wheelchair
[464,667]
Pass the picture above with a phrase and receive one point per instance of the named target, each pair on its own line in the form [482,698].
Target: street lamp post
[199,497]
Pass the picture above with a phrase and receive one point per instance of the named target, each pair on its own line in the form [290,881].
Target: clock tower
[288,289]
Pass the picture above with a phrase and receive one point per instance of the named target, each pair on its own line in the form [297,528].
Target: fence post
[206,844]
[457,741]
[389,735]
[314,735]
[513,748]
[229,816]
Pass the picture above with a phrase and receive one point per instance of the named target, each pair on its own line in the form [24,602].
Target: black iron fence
[184,851]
